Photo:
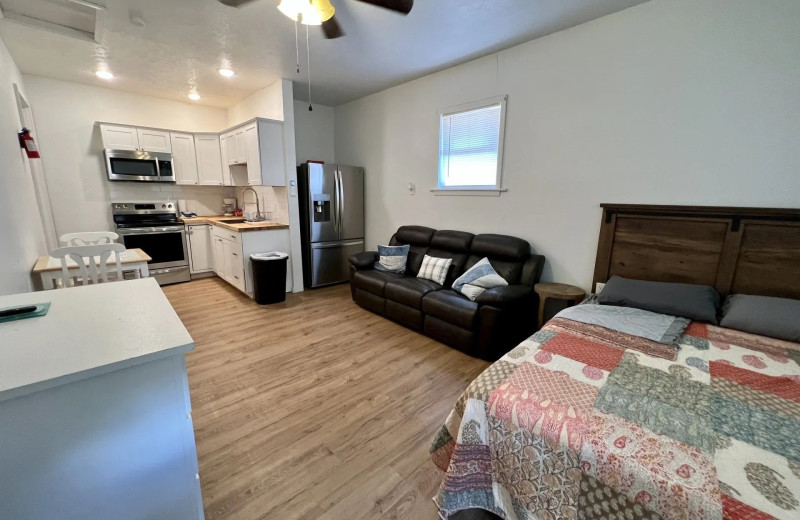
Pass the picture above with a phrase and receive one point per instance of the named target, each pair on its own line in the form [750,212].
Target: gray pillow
[763,315]
[696,302]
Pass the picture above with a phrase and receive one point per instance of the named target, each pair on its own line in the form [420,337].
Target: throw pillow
[477,279]
[434,269]
[392,258]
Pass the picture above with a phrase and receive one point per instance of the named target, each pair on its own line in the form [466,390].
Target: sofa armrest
[365,260]
[506,296]
[532,270]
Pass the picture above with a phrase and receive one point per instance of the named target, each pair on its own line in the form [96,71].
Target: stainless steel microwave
[136,165]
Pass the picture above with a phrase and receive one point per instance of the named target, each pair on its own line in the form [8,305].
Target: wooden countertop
[89,330]
[240,226]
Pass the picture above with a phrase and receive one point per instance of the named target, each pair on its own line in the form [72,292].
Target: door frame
[35,169]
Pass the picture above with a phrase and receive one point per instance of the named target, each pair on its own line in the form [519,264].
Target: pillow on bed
[763,315]
[696,302]
[660,328]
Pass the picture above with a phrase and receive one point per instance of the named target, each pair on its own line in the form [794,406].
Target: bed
[582,421]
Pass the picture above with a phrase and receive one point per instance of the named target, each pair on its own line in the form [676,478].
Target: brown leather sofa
[489,327]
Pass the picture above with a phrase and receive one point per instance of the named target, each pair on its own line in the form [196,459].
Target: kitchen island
[95,415]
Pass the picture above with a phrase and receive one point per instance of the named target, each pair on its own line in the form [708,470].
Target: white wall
[21,234]
[314,133]
[267,103]
[669,102]
[71,149]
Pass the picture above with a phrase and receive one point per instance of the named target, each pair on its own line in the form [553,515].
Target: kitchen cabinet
[236,147]
[201,252]
[232,251]
[120,137]
[257,149]
[154,140]
[209,160]
[184,158]
[226,169]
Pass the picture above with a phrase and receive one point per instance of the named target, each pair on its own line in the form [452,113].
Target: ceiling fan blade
[399,6]
[332,29]
[235,3]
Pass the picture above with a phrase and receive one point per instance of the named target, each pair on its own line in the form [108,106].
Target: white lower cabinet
[201,250]
[232,252]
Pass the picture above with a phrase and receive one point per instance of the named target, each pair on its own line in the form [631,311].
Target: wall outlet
[411,188]
[599,288]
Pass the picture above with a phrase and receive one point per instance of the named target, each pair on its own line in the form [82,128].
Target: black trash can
[269,277]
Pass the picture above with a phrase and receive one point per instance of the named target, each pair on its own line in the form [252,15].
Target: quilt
[582,422]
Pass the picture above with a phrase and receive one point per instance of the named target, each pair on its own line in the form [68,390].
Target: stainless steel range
[155,228]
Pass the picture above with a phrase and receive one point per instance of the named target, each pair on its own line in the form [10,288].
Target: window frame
[485,190]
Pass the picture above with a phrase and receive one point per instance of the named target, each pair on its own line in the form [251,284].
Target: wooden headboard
[735,250]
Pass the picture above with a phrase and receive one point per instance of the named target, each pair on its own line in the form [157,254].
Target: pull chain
[308,56]
[297,46]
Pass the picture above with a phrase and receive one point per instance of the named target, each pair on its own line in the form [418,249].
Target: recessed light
[194,96]
[104,74]
[228,73]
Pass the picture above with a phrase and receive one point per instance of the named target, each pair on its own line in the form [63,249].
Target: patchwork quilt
[583,422]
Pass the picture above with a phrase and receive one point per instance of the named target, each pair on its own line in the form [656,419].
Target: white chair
[91,262]
[89,238]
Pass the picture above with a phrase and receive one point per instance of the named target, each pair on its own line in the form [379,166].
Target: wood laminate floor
[314,408]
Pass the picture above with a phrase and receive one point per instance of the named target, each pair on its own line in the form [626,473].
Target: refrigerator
[331,200]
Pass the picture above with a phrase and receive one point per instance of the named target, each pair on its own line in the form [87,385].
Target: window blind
[468,147]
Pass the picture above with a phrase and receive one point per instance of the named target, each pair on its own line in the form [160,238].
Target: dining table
[48,268]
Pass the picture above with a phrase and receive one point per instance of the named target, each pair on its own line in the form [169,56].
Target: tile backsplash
[204,200]
[272,198]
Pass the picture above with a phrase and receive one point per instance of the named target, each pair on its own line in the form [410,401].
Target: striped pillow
[434,269]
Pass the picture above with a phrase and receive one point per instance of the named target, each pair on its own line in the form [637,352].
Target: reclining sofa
[496,322]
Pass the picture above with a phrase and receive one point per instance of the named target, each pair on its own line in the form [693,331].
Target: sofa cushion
[477,279]
[453,245]
[449,306]
[373,281]
[507,254]
[507,296]
[409,291]
[419,238]
[434,268]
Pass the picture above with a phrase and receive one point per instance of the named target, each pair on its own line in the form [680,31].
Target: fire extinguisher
[26,141]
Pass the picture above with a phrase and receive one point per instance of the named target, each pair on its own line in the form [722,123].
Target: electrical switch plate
[599,288]
[411,188]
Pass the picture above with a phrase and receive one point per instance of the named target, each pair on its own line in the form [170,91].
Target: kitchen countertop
[88,331]
[235,226]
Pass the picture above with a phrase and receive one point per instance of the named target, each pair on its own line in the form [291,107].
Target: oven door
[165,245]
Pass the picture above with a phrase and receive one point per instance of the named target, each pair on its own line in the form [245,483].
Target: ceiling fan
[320,12]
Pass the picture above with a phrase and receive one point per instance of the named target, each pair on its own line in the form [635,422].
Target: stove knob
[163,206]
[169,206]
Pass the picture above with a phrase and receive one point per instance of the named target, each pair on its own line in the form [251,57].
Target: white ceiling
[184,42]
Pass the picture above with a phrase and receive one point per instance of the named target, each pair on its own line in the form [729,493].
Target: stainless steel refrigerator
[332,220]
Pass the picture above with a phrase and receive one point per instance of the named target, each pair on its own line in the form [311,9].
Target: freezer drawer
[329,261]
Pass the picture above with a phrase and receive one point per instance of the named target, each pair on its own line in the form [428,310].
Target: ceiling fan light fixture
[307,12]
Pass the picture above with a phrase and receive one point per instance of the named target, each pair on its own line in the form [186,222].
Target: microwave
[137,165]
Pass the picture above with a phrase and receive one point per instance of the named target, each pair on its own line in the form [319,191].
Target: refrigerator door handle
[341,201]
[331,245]
[338,210]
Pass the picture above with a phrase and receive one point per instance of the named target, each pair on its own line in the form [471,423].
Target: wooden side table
[558,291]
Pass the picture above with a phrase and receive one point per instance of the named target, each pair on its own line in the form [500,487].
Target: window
[471,147]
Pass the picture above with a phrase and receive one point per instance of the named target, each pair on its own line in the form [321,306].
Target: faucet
[259,217]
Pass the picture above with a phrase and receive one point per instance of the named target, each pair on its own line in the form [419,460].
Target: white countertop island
[94,407]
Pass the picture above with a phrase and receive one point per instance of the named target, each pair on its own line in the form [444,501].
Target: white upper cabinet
[209,159]
[252,155]
[226,168]
[184,159]
[270,153]
[154,140]
[119,137]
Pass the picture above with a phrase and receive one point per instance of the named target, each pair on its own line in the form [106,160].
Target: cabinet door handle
[234,254]
[236,277]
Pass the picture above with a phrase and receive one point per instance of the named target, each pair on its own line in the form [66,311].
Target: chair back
[92,262]
[89,238]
